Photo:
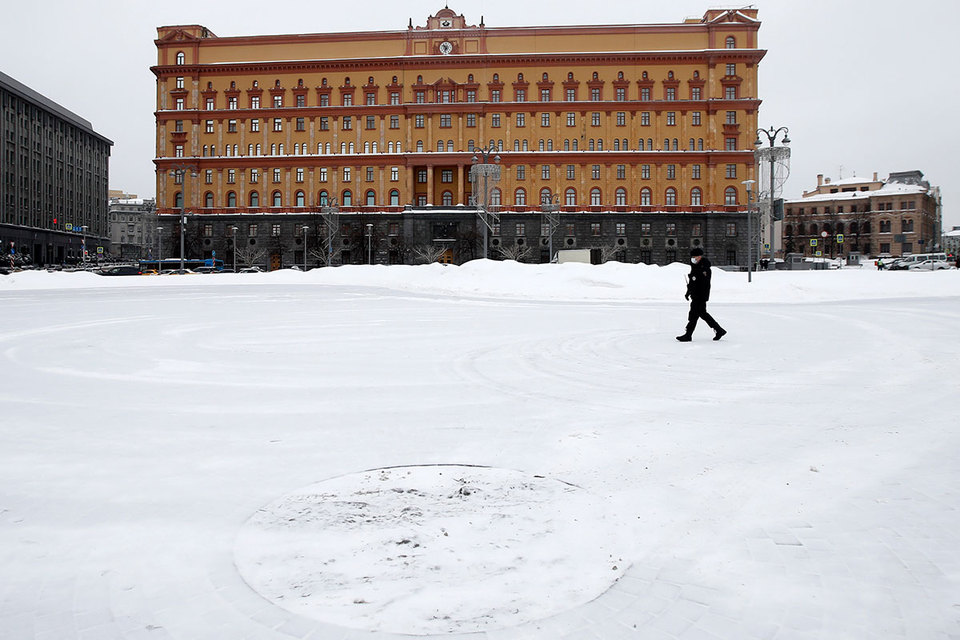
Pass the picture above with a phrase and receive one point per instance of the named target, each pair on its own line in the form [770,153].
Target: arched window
[730,196]
[799,228]
[671,196]
[854,227]
[301,199]
[516,145]
[374,147]
[277,199]
[394,198]
[626,145]
[640,145]
[549,145]
[696,197]
[542,145]
[646,197]
[676,144]
[546,196]
[520,197]
[865,228]
[590,145]
[693,144]
[351,147]
[699,144]
[231,199]
[839,228]
[346,198]
[570,197]
[439,145]
[576,144]
[495,197]
[616,144]
[419,146]
[389,147]
[323,198]
[254,199]
[181,59]
[666,144]
[731,42]
[371,198]
[366,147]
[178,200]
[788,230]
[813,230]
[621,197]
[595,197]
[446,199]
[208,200]
[566,144]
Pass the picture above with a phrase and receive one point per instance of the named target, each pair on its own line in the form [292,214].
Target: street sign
[819,254]
[68,227]
[766,246]
[813,242]
[100,250]
[839,238]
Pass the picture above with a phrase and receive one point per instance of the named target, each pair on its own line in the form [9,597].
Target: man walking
[698,292]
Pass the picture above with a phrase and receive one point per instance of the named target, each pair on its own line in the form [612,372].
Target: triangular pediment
[732,15]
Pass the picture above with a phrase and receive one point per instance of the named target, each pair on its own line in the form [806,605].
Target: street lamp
[180,171]
[305,229]
[159,248]
[486,163]
[83,244]
[749,185]
[369,243]
[773,151]
[234,228]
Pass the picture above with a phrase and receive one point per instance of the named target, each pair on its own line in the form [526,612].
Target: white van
[907,261]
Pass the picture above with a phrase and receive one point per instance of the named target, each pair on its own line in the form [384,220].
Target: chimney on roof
[874,176]
[819,179]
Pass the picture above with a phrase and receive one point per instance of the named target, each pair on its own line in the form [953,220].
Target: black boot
[685,337]
[720,333]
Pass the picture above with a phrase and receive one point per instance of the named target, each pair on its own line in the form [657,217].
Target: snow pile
[568,282]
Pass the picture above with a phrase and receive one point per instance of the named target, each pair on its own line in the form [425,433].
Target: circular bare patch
[432,549]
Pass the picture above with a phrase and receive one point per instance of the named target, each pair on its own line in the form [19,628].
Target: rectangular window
[621,171]
[595,94]
[695,118]
[731,117]
[521,229]
[595,228]
[301,100]
[471,119]
[446,121]
[347,99]
[369,174]
[571,171]
[645,94]
[545,172]
[394,174]
[394,97]
[621,228]
[324,100]
[232,103]
[231,126]
[731,144]
[255,125]
[323,174]
[621,94]
[471,95]
[255,102]
[571,119]
[671,93]
[178,104]
[178,151]
[671,171]
[210,105]
[569,229]
[275,229]
[645,119]
[347,123]
[254,176]
[421,176]
[731,69]
[730,93]
[277,124]
[276,175]
[595,119]
[301,124]
[595,172]
[645,228]
[696,230]
[252,230]
[521,172]
[521,119]
[621,119]
[394,122]
[371,98]
[671,229]
[231,176]
[418,121]
[571,95]
[209,125]
[645,171]
[495,95]
[521,95]
[371,122]
[495,120]
[324,124]
[671,118]
[544,95]
[544,119]
[695,171]
[299,174]
[446,176]
[346,174]
[731,172]
[731,229]
[208,176]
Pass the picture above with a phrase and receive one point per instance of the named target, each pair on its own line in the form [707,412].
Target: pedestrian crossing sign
[813,242]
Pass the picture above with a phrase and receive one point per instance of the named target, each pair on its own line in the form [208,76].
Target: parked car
[175,272]
[251,270]
[929,265]
[205,270]
[121,270]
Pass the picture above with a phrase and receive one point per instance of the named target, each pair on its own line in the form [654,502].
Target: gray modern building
[53,179]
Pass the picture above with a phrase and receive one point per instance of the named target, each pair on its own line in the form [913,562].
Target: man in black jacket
[698,292]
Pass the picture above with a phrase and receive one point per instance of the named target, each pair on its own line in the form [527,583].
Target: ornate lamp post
[305,230]
[486,163]
[749,185]
[180,171]
[234,228]
[159,248]
[772,153]
[370,243]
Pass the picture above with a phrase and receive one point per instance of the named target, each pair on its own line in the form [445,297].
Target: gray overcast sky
[864,85]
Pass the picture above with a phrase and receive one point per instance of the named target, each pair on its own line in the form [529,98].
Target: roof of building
[46,103]
[888,189]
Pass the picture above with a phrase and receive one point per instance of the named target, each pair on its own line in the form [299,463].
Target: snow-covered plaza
[494,451]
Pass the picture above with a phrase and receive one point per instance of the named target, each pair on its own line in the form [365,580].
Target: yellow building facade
[620,119]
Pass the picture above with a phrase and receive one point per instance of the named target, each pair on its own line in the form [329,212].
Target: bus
[173,264]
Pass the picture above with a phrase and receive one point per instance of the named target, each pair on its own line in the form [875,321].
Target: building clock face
[446,48]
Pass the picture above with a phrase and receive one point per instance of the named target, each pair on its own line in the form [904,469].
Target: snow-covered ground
[496,451]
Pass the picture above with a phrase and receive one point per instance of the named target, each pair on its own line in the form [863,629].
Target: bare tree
[608,252]
[250,256]
[324,256]
[516,252]
[429,253]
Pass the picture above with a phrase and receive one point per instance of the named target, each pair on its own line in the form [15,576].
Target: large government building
[53,179]
[632,140]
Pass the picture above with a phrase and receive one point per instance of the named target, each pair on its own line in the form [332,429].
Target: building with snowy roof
[639,135]
[897,216]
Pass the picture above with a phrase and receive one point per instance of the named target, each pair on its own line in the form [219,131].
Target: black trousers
[698,309]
